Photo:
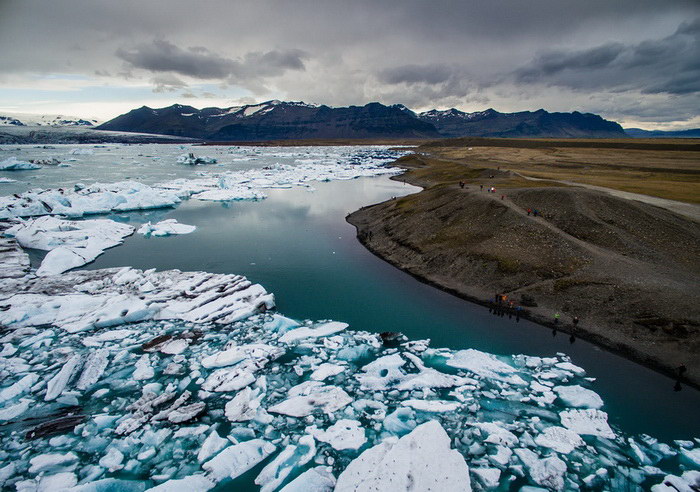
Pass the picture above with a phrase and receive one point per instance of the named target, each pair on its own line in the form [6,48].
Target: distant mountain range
[639,133]
[277,120]
[26,119]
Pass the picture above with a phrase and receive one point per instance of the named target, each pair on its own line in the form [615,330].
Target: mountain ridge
[296,120]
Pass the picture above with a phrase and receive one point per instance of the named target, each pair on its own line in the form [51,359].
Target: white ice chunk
[12,411]
[190,483]
[95,365]
[14,164]
[58,482]
[143,368]
[310,396]
[112,460]
[497,434]
[165,228]
[432,406]
[549,472]
[321,330]
[587,422]
[559,439]
[238,353]
[71,243]
[58,383]
[244,406]
[19,387]
[50,462]
[489,477]
[317,479]
[421,460]
[238,459]
[290,458]
[211,445]
[326,370]
[344,434]
[578,396]
[485,365]
[82,300]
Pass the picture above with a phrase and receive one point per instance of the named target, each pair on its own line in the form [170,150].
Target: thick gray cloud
[200,63]
[163,56]
[512,54]
[666,65]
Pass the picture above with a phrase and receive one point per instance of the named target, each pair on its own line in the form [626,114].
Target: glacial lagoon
[302,391]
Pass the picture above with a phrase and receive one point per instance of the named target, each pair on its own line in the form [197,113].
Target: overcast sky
[636,61]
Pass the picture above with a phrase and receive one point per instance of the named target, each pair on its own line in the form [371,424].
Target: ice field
[131,378]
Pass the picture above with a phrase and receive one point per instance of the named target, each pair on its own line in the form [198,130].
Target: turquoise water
[297,244]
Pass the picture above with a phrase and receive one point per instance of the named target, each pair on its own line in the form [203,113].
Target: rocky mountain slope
[540,123]
[276,120]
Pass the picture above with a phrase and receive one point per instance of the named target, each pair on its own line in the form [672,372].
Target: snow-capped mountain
[276,120]
[27,119]
[279,120]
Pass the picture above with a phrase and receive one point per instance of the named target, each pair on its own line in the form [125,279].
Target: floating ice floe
[420,460]
[7,180]
[95,199]
[165,228]
[14,164]
[344,434]
[14,262]
[70,243]
[115,296]
[193,160]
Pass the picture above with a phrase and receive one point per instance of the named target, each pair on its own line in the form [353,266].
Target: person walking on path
[481,187]
[576,321]
[556,318]
[529,211]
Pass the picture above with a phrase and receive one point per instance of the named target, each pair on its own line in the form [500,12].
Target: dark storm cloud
[667,65]
[466,53]
[553,63]
[198,62]
[163,56]
[414,74]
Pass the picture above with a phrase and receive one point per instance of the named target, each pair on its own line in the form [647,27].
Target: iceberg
[318,479]
[321,330]
[420,460]
[238,459]
[94,199]
[167,227]
[344,434]
[14,164]
[310,396]
[71,243]
[578,396]
[87,299]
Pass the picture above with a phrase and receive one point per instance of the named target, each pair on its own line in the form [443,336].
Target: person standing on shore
[556,318]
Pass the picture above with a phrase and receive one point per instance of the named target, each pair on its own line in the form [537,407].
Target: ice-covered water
[130,379]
